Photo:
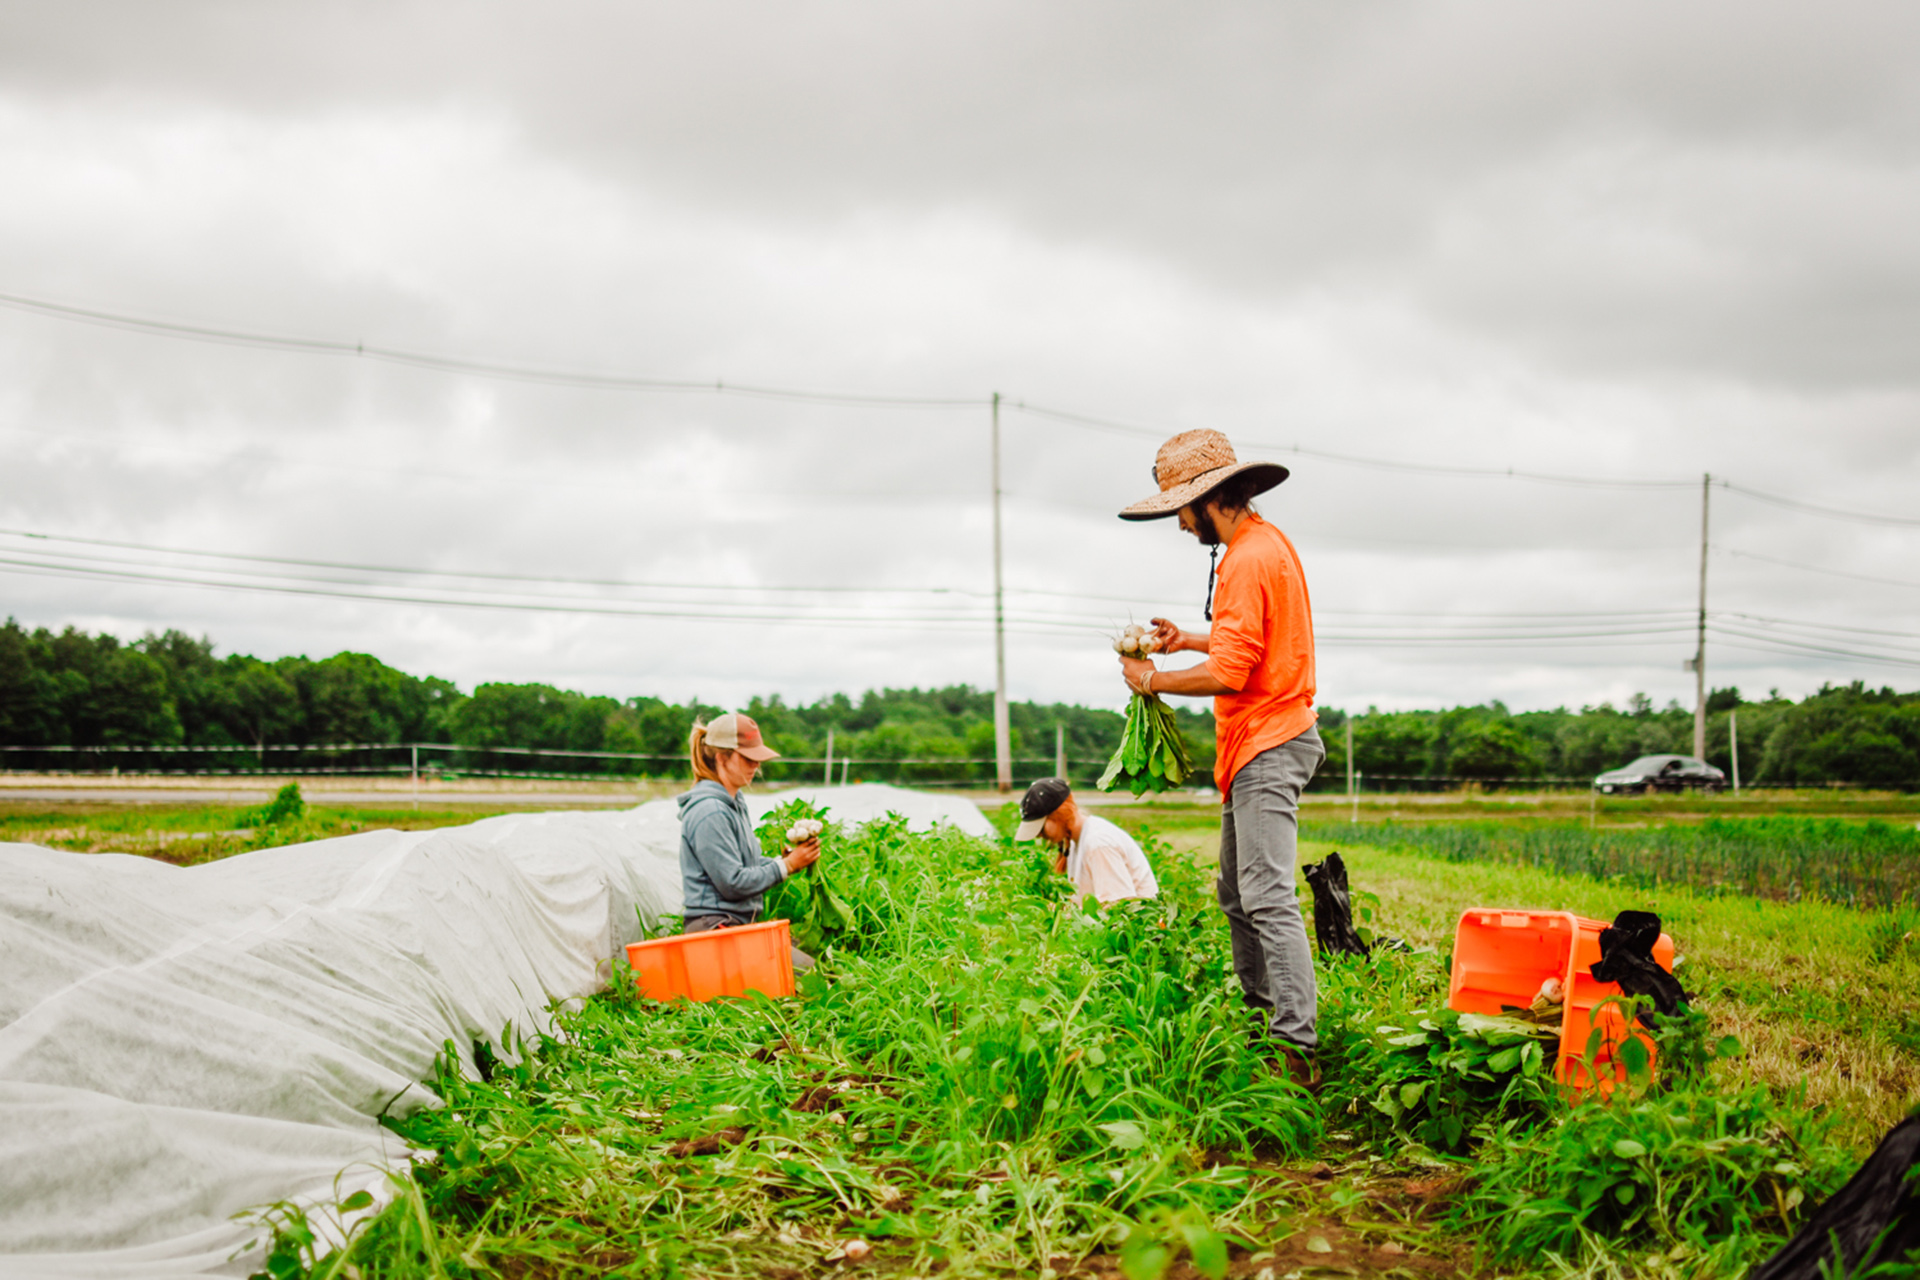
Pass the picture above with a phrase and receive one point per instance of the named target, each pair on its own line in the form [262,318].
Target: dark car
[1660,773]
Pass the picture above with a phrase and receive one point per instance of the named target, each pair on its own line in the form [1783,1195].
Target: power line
[1482,638]
[465,573]
[1519,634]
[1511,632]
[594,380]
[1401,635]
[1814,568]
[638,584]
[1836,513]
[1506,473]
[1799,648]
[143,566]
[1158,602]
[1356,460]
[1033,626]
[480,368]
[1818,626]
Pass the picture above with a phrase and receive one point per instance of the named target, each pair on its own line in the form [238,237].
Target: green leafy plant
[821,918]
[1685,1049]
[1694,1168]
[296,1249]
[1152,755]
[1436,1076]
[288,806]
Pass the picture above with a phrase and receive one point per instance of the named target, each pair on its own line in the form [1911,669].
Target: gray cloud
[1620,241]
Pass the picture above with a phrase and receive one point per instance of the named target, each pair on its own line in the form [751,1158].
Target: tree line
[1843,733]
[76,689]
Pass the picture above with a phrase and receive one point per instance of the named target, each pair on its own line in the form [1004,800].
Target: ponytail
[703,758]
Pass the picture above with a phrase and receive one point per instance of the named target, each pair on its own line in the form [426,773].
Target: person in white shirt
[1098,857]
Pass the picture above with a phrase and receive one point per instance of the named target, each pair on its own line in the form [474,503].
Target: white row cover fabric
[866,801]
[181,1045]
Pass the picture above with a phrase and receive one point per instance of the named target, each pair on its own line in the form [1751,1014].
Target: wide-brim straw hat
[1192,465]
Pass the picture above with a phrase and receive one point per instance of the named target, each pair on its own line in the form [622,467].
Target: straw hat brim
[1168,501]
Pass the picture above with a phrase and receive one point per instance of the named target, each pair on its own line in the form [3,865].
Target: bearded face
[1198,521]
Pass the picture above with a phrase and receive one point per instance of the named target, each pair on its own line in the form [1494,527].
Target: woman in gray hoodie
[724,877]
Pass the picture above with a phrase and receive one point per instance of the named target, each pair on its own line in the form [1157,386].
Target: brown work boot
[1297,1066]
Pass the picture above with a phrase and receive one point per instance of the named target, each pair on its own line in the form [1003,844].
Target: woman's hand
[803,855]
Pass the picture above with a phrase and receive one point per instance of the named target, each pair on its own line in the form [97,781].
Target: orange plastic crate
[1501,956]
[719,962]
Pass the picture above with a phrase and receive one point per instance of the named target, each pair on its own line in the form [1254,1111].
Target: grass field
[1820,992]
[988,1083]
[187,834]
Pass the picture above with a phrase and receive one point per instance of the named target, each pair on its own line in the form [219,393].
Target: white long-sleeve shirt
[1107,863]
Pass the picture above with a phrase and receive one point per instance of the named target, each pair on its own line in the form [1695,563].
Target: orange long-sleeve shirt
[1262,645]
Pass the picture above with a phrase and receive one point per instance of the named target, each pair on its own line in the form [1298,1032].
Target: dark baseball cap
[1042,798]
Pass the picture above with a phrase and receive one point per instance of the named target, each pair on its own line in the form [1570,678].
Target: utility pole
[1699,663]
[1353,796]
[1059,750]
[1002,734]
[826,777]
[1733,744]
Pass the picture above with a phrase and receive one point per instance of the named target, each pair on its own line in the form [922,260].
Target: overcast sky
[1620,242]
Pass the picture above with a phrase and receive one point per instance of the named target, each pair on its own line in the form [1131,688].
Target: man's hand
[803,855]
[1135,670]
[1172,639]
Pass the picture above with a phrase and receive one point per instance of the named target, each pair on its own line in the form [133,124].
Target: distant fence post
[1353,794]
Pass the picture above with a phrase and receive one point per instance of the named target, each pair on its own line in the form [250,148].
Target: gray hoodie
[722,871]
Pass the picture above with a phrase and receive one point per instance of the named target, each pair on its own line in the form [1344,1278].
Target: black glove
[1626,957]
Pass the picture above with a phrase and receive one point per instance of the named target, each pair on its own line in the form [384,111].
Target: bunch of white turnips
[804,830]
[1136,642]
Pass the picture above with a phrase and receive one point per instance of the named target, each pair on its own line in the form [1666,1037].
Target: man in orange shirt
[1259,672]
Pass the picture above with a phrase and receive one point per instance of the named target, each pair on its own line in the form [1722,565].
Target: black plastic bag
[1626,957]
[1333,908]
[1874,1218]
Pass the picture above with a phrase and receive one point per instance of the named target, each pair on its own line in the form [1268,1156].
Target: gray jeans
[1259,844]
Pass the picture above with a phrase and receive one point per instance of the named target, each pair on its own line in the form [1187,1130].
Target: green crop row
[1864,864]
[987,1078]
[982,1078]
